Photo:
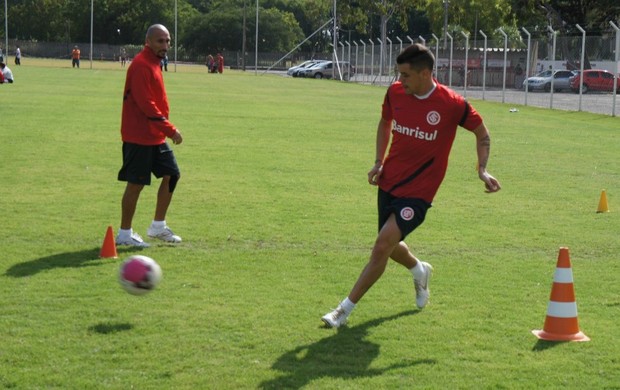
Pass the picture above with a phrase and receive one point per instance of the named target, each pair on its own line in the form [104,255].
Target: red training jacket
[145,104]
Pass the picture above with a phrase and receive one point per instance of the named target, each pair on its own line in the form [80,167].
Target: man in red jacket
[144,129]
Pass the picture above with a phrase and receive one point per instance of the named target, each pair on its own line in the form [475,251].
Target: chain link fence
[479,67]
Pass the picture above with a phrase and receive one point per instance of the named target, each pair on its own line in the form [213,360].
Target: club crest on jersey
[433,118]
[407,213]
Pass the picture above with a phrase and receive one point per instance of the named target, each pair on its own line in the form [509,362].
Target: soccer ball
[139,274]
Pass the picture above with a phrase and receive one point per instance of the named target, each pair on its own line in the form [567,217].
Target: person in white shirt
[6,72]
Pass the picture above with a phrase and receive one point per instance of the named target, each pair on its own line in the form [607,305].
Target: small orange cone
[108,250]
[561,323]
[603,207]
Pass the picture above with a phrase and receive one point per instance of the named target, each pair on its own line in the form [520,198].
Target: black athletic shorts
[409,212]
[139,161]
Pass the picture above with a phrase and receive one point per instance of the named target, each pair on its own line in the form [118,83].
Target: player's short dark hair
[417,56]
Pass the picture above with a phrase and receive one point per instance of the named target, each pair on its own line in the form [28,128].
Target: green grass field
[278,220]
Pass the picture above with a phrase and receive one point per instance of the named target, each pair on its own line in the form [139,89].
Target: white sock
[158,224]
[347,305]
[418,271]
[125,232]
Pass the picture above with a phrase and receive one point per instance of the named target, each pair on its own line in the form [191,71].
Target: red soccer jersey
[145,104]
[423,131]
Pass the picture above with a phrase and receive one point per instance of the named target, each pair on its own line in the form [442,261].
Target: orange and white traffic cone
[108,250]
[561,323]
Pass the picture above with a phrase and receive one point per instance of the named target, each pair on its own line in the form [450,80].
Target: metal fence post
[356,47]
[617,70]
[484,65]
[450,60]
[527,64]
[436,54]
[583,54]
[552,67]
[389,56]
[381,58]
[364,72]
[466,67]
[372,61]
[505,60]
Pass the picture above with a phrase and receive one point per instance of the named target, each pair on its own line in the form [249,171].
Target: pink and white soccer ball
[139,274]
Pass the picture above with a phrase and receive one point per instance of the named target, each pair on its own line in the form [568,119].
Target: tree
[471,16]
[222,29]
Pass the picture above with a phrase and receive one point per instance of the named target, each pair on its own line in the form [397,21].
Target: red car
[595,80]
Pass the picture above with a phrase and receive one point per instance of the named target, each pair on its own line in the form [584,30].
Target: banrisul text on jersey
[414,132]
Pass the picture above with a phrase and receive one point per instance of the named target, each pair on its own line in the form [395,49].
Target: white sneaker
[335,318]
[164,234]
[422,292]
[133,240]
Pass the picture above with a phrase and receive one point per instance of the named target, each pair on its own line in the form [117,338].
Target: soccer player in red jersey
[144,129]
[422,117]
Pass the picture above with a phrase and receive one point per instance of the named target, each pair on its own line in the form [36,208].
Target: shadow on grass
[77,259]
[542,345]
[109,328]
[344,355]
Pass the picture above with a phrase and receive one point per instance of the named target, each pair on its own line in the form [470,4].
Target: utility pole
[243,40]
[445,23]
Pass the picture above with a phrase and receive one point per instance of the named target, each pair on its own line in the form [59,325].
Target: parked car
[542,81]
[325,69]
[294,70]
[595,80]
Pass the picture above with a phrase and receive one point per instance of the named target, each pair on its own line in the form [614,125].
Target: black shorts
[409,212]
[139,161]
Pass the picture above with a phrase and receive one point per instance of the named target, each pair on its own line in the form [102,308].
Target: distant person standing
[518,76]
[164,63]
[75,56]
[220,63]
[7,75]
[210,63]
[1,55]
[18,56]
[144,128]
[123,57]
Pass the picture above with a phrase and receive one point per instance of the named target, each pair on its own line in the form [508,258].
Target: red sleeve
[471,119]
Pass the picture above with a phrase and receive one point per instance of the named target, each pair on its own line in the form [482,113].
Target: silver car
[325,70]
[542,81]
[295,70]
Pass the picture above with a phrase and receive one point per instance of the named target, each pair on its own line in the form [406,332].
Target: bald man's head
[158,39]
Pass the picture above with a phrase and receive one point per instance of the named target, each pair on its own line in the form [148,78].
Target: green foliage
[222,29]
[278,220]
[592,15]
[467,16]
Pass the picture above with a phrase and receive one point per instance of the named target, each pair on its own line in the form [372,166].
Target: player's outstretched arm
[483,149]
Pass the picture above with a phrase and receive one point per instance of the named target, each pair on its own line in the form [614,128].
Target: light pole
[91,32]
[445,23]
[6,28]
